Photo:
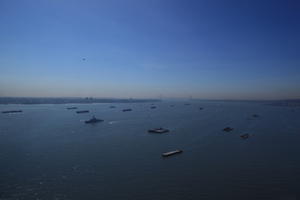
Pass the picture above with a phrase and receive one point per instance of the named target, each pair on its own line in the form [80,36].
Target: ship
[170,153]
[126,110]
[82,111]
[71,108]
[93,120]
[158,130]
[12,111]
[245,136]
[228,129]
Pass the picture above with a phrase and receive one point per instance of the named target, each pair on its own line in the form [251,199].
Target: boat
[187,104]
[153,107]
[112,106]
[245,136]
[93,120]
[12,111]
[126,110]
[82,111]
[71,108]
[255,115]
[170,153]
[201,108]
[227,129]
[158,130]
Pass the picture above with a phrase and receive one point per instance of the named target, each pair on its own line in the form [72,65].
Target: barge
[12,111]
[82,111]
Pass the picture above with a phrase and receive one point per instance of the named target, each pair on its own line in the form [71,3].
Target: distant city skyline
[207,49]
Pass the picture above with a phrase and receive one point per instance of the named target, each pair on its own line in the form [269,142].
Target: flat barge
[12,111]
[82,111]
[71,108]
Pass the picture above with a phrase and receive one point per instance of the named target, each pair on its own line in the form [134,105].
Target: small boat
[93,120]
[245,136]
[71,108]
[12,111]
[227,129]
[112,106]
[153,107]
[82,111]
[201,108]
[170,153]
[255,115]
[126,110]
[158,130]
[187,104]
[171,105]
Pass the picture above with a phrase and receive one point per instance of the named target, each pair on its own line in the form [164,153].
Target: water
[48,152]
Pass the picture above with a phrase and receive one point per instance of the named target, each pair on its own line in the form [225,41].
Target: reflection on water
[48,152]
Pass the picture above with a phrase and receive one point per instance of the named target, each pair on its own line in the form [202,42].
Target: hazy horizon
[237,50]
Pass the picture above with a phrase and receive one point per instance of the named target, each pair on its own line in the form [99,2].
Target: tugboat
[158,130]
[82,111]
[126,110]
[93,120]
[170,153]
[227,129]
[245,136]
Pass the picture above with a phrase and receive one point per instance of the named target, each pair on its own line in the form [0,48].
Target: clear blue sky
[211,49]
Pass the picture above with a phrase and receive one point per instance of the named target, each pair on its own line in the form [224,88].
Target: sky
[206,49]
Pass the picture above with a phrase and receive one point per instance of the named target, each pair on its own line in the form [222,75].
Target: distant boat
[112,106]
[200,108]
[170,153]
[153,107]
[71,108]
[228,129]
[171,105]
[82,111]
[93,120]
[187,104]
[255,115]
[158,130]
[12,111]
[245,136]
[126,110]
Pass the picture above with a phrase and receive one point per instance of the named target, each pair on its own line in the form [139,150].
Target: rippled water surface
[48,152]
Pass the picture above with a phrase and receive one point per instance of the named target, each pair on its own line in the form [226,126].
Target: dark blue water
[48,152]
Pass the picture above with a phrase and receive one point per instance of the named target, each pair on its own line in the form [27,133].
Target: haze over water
[48,152]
